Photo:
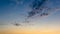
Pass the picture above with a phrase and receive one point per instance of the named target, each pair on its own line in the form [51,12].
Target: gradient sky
[16,11]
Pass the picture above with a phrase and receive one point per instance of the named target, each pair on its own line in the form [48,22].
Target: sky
[16,11]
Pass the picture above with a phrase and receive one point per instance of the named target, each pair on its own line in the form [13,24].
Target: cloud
[35,7]
[43,11]
[38,9]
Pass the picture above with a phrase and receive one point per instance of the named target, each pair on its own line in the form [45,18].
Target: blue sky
[11,11]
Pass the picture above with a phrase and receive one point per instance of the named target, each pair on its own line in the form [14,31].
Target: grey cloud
[35,7]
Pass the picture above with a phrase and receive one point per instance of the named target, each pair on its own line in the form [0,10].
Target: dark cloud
[32,13]
[37,4]
[35,7]
[44,14]
[16,24]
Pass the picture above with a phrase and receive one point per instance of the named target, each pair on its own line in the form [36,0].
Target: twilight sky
[12,11]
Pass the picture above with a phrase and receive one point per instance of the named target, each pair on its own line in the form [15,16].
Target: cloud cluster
[37,9]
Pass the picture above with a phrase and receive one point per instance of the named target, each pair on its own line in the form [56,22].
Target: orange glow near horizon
[14,30]
[29,32]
